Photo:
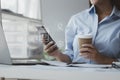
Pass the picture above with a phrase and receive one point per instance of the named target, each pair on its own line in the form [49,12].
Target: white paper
[58,63]
[91,65]
[54,63]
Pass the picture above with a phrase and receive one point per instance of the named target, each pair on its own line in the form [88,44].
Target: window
[29,8]
[20,31]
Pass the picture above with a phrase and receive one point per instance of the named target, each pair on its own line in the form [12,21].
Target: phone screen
[45,34]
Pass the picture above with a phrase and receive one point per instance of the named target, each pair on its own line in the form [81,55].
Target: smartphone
[45,34]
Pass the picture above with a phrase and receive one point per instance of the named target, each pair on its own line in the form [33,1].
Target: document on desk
[55,63]
[58,63]
[91,65]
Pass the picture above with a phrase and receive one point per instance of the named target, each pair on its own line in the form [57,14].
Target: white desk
[58,73]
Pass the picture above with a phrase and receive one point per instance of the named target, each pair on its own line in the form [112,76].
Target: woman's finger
[85,55]
[49,45]
[51,48]
[82,50]
[88,45]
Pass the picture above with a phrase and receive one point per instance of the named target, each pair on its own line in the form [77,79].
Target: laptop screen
[4,51]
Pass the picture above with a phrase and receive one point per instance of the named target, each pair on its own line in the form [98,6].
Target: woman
[102,21]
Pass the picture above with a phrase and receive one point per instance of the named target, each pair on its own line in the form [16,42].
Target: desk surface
[58,73]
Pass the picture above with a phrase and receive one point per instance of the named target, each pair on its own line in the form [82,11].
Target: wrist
[106,60]
[57,53]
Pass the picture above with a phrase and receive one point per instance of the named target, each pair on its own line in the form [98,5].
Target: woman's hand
[51,48]
[90,52]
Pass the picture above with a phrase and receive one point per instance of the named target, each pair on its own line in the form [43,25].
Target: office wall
[56,14]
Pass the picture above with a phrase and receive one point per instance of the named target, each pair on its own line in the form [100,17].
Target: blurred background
[20,18]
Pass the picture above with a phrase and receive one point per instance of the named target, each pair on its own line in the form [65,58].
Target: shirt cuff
[69,53]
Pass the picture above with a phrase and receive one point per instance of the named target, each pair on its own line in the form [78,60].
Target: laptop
[5,57]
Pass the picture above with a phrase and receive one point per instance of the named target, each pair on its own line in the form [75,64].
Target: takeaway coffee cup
[85,39]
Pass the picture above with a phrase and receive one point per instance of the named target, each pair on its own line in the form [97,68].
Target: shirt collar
[92,9]
[115,11]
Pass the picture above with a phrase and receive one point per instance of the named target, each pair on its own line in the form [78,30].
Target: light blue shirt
[106,34]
